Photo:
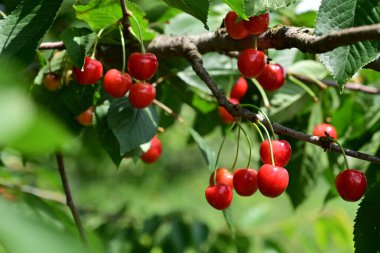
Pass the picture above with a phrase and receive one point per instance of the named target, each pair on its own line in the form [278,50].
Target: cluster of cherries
[154,151]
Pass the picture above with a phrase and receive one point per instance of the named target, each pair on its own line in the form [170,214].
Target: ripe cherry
[85,118]
[224,115]
[116,84]
[251,62]
[351,184]
[272,180]
[142,66]
[240,89]
[222,176]
[323,128]
[236,30]
[219,196]
[282,152]
[257,24]
[142,95]
[153,152]
[272,78]
[245,181]
[52,81]
[92,72]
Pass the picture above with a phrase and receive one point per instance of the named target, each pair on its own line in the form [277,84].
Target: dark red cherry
[222,176]
[52,81]
[272,180]
[116,84]
[225,116]
[282,151]
[321,129]
[85,118]
[245,181]
[236,30]
[257,24]
[219,196]
[272,78]
[92,72]
[251,62]
[351,184]
[141,95]
[240,89]
[142,66]
[154,152]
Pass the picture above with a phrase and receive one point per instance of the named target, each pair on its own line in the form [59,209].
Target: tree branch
[125,19]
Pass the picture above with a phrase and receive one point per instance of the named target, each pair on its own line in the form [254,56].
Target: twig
[169,111]
[69,198]
[125,19]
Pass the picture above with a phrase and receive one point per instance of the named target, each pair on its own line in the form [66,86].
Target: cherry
[92,71]
[52,81]
[240,89]
[219,196]
[85,118]
[282,152]
[272,78]
[153,152]
[236,30]
[257,24]
[222,176]
[351,184]
[142,66]
[116,84]
[272,180]
[141,95]
[320,129]
[225,116]
[251,62]
[245,181]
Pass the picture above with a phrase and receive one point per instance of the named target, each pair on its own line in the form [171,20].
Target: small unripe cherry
[224,115]
[240,89]
[219,196]
[85,118]
[52,81]
[92,72]
[323,128]
[272,180]
[251,62]
[222,176]
[272,78]
[235,30]
[282,151]
[351,184]
[245,181]
[257,24]
[141,95]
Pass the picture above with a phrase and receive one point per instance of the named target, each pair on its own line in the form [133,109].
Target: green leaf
[196,8]
[309,68]
[207,153]
[344,62]
[367,222]
[254,7]
[78,42]
[132,127]
[238,7]
[22,31]
[227,214]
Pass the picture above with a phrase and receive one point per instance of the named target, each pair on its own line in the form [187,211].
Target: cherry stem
[96,42]
[259,131]
[230,81]
[305,87]
[237,149]
[270,142]
[262,92]
[265,116]
[123,48]
[249,144]
[255,42]
[3,14]
[140,33]
[344,153]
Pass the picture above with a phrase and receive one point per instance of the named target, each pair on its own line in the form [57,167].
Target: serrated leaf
[254,7]
[367,222]
[344,62]
[78,42]
[207,153]
[238,7]
[22,31]
[132,127]
[196,8]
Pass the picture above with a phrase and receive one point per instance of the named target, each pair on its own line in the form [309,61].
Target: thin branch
[125,19]
[52,45]
[69,198]
[169,111]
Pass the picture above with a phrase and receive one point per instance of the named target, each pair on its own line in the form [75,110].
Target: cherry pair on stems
[256,25]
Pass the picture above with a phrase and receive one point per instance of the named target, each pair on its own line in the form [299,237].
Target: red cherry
[257,24]
[142,66]
[272,78]
[282,152]
[240,88]
[320,129]
[92,71]
[351,184]
[219,196]
[236,30]
[116,84]
[142,95]
[85,118]
[222,176]
[153,152]
[245,181]
[225,116]
[52,81]
[251,62]
[272,180]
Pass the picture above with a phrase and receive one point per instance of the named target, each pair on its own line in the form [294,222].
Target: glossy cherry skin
[257,24]
[92,72]
[142,66]
[52,81]
[272,78]
[85,118]
[351,184]
[236,30]
[240,89]
[245,181]
[154,152]
[222,176]
[320,129]
[224,115]
[142,95]
[272,180]
[251,62]
[116,84]
[219,196]
[282,151]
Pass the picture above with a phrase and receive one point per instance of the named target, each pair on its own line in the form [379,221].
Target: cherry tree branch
[125,19]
